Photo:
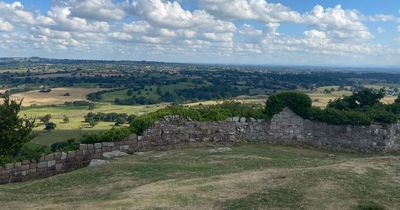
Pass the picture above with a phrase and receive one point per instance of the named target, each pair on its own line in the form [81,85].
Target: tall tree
[15,131]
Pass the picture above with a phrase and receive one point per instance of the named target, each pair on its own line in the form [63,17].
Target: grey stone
[221,149]
[51,163]
[97,146]
[113,154]
[63,156]
[124,147]
[97,162]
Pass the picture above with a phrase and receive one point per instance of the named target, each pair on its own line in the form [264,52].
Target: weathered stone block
[124,147]
[97,146]
[71,154]
[59,166]
[83,147]
[49,157]
[9,166]
[51,163]
[42,164]
[63,156]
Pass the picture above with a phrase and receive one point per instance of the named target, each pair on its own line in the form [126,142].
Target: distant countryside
[200,104]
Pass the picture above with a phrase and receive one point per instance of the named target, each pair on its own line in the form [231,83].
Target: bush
[383,116]
[115,134]
[5,160]
[50,126]
[299,103]
[339,117]
[69,145]
[29,153]
[199,113]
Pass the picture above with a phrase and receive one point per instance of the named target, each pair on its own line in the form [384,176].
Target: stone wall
[285,128]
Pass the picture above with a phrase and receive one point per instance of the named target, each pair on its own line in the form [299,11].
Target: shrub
[5,160]
[339,117]
[50,126]
[69,145]
[383,116]
[115,134]
[30,153]
[199,113]
[299,103]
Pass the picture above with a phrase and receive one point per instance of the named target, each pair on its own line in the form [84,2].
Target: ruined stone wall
[285,127]
[173,132]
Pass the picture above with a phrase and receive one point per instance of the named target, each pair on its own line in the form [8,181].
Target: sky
[260,32]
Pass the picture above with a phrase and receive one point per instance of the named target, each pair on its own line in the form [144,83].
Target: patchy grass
[248,177]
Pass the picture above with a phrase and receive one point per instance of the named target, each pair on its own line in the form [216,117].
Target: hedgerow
[199,113]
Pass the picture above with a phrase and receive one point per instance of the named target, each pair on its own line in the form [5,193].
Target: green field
[149,92]
[77,127]
[247,177]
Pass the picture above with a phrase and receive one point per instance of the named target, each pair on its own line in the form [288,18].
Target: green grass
[248,177]
[76,127]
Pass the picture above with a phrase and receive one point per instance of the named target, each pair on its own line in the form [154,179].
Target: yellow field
[55,97]
[243,99]
[321,99]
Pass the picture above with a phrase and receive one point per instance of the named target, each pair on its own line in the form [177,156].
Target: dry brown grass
[56,96]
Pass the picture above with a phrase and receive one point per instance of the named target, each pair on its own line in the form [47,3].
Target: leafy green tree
[92,122]
[360,99]
[65,119]
[15,131]
[119,121]
[92,106]
[45,119]
[299,103]
[50,126]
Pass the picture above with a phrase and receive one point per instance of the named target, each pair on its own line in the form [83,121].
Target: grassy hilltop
[246,177]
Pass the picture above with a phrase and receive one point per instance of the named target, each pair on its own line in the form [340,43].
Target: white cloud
[341,25]
[314,34]
[5,26]
[99,10]
[65,22]
[259,10]
[209,33]
[249,30]
[272,28]
[381,18]
[15,13]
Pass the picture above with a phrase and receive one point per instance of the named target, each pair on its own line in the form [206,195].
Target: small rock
[331,155]
[116,153]
[97,162]
[221,149]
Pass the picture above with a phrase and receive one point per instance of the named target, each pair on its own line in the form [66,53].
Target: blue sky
[286,32]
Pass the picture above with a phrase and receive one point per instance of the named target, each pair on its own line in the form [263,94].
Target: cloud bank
[215,31]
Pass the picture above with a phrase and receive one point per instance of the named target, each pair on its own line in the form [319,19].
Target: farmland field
[76,126]
[321,99]
[56,96]
[247,177]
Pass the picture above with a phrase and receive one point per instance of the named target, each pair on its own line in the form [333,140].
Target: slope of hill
[240,177]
